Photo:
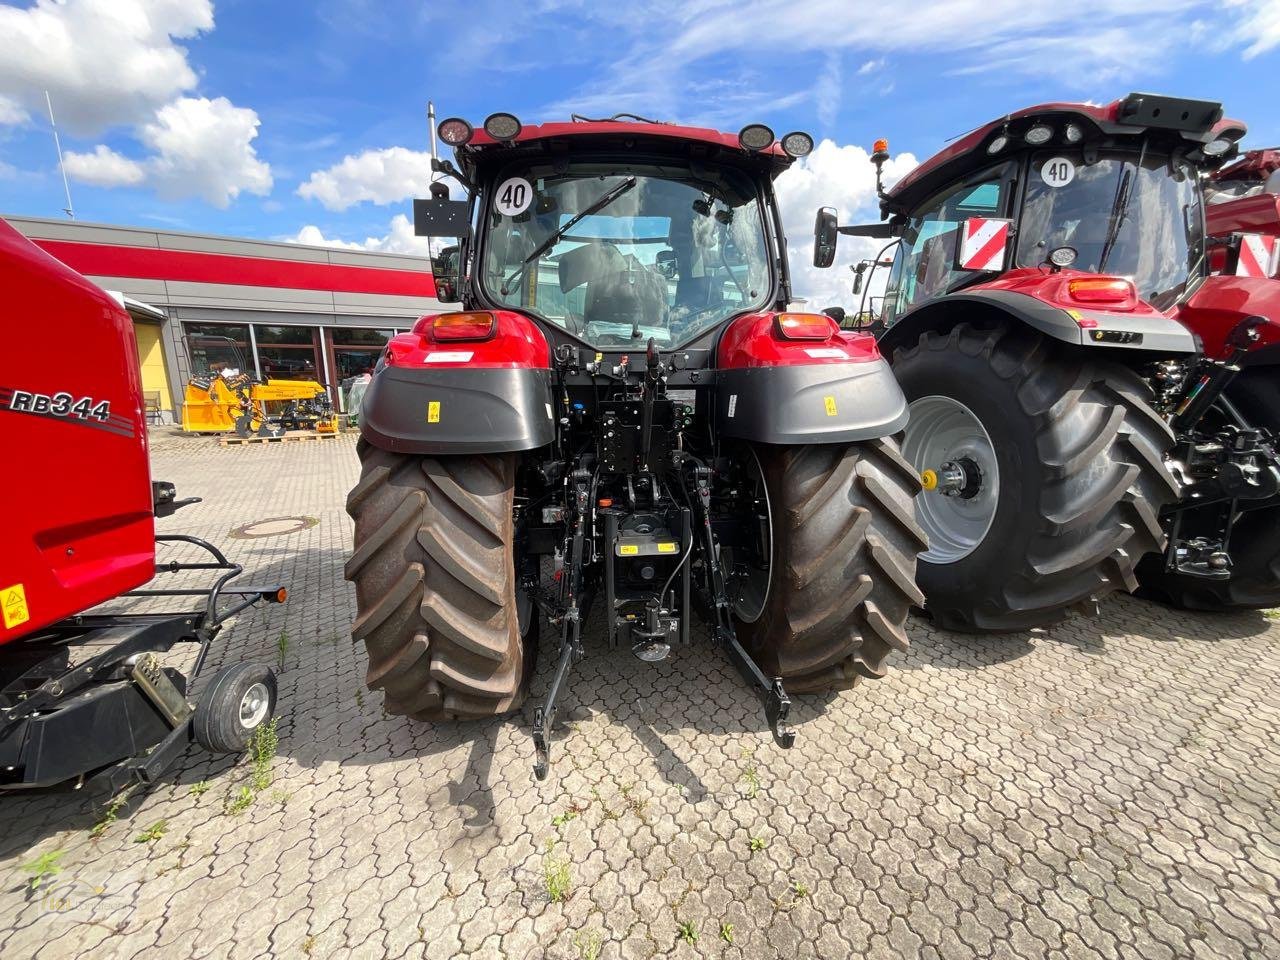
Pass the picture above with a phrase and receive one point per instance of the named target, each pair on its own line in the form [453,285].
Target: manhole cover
[273,527]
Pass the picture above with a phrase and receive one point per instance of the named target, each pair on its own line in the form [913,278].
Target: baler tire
[435,584]
[845,541]
[1080,452]
[1254,546]
[219,724]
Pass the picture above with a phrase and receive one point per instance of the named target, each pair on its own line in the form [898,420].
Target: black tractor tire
[1254,546]
[845,541]
[1080,453]
[436,584]
[224,722]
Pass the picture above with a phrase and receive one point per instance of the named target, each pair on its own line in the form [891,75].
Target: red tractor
[1083,393]
[624,410]
[84,694]
[1244,211]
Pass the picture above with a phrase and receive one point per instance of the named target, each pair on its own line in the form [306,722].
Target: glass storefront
[333,356]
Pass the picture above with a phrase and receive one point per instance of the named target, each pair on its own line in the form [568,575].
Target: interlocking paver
[1106,789]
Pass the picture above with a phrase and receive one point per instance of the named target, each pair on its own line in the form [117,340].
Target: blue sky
[307,120]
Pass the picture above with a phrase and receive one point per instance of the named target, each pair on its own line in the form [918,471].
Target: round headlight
[1063,256]
[454,131]
[1216,148]
[998,144]
[502,126]
[755,136]
[1038,134]
[797,144]
[1073,133]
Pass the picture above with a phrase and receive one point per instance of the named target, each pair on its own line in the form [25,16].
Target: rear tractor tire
[436,585]
[844,546]
[1046,474]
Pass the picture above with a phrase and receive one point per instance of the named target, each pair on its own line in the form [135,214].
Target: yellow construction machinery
[226,398]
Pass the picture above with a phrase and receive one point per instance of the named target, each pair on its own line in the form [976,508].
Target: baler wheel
[436,586]
[1076,479]
[1254,583]
[845,541]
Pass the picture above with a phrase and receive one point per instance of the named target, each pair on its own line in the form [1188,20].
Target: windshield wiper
[551,241]
[1120,206]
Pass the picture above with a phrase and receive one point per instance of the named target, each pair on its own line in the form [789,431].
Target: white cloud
[832,176]
[375,176]
[104,168]
[1258,29]
[200,148]
[104,62]
[398,239]
[871,66]
[11,112]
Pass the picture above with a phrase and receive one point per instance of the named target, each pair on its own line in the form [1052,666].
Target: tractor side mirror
[835,313]
[667,263]
[826,231]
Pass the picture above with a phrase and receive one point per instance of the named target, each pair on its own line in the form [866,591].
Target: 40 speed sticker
[85,411]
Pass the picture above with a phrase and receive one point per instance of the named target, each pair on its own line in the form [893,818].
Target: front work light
[502,126]
[755,137]
[797,144]
[1073,133]
[1216,148]
[454,131]
[1038,134]
[999,143]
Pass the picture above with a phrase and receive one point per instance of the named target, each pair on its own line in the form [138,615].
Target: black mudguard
[433,411]
[810,403]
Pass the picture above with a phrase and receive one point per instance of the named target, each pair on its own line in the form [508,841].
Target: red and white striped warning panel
[982,243]
[1258,254]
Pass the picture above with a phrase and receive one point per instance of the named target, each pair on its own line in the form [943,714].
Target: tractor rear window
[617,256]
[1141,222]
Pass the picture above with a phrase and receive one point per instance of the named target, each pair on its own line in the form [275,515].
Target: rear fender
[773,390]
[1096,330]
[1221,302]
[462,397]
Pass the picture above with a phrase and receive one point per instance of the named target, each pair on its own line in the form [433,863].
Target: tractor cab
[1113,191]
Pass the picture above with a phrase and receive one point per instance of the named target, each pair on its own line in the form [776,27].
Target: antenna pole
[69,210]
[431,125]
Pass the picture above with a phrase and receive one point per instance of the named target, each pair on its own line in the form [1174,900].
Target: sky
[306,121]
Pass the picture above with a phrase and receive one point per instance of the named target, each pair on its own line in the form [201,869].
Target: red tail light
[454,327]
[805,326]
[1112,291]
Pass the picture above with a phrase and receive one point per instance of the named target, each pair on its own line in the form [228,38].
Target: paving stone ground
[1105,789]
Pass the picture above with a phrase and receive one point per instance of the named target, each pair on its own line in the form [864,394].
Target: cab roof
[1195,121]
[600,131]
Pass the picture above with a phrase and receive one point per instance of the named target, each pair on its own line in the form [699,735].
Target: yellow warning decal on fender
[628,549]
[667,548]
[831,405]
[433,411]
[13,606]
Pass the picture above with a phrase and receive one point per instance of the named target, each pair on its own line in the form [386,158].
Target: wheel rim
[750,577]
[254,706]
[944,432]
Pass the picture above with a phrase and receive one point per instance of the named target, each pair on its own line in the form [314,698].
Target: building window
[356,350]
[213,347]
[288,353]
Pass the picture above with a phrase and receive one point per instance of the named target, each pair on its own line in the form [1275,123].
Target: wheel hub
[254,705]
[956,458]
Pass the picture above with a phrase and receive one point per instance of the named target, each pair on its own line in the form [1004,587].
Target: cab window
[924,266]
